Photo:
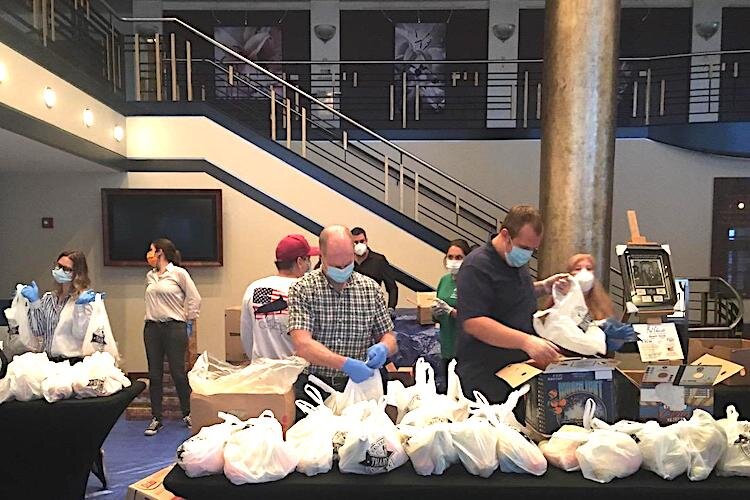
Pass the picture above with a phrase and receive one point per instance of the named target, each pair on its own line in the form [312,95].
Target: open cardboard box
[151,487]
[734,350]
[204,409]
[424,307]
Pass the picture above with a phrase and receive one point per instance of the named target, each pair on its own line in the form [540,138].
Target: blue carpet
[130,456]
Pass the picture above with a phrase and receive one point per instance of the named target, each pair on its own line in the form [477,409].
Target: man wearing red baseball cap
[265,312]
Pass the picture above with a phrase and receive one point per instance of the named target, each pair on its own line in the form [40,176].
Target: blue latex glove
[86,297]
[189,328]
[357,370]
[31,292]
[376,355]
[618,334]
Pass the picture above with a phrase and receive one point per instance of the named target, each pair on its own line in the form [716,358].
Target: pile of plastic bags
[34,376]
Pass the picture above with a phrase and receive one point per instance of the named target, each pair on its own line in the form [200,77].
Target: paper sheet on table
[658,342]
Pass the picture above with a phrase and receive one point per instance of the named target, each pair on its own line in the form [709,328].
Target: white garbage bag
[664,451]
[312,436]
[373,446]
[258,453]
[367,390]
[203,454]
[475,441]
[262,376]
[560,449]
[705,441]
[566,323]
[26,373]
[736,460]
[97,375]
[21,338]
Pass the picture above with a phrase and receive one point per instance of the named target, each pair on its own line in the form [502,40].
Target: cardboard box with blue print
[558,394]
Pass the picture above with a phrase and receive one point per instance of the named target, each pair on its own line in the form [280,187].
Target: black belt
[332,380]
[170,320]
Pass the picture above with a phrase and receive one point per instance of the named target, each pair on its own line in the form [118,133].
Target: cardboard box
[204,409]
[734,350]
[558,395]
[151,488]
[232,342]
[424,308]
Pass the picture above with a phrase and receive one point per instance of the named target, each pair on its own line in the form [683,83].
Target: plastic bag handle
[588,413]
[315,380]
[230,419]
[305,406]
[558,298]
[267,414]
[314,394]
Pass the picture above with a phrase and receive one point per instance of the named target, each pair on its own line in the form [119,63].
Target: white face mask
[360,249]
[453,266]
[585,279]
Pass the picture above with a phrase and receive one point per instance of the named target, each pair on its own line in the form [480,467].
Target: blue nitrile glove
[189,328]
[31,292]
[376,355]
[618,334]
[357,370]
[86,297]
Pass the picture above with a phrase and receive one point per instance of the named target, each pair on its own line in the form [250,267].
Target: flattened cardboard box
[204,409]
[151,487]
[734,350]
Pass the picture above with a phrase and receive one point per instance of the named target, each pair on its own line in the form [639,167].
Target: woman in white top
[172,302]
[59,318]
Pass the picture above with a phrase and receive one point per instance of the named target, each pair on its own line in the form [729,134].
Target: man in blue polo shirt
[496,301]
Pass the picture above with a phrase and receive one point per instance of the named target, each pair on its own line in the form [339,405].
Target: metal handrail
[317,102]
[735,296]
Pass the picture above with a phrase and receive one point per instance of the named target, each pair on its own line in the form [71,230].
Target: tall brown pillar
[581,47]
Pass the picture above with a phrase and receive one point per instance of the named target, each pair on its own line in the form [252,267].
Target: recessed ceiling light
[3,73]
[118,133]
[88,117]
[50,98]
[741,205]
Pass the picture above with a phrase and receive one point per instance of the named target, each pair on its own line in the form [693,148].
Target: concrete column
[578,131]
[500,92]
[325,80]
[705,74]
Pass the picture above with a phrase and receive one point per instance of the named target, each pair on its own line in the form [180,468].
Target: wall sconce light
[50,98]
[741,205]
[88,117]
[503,31]
[3,73]
[324,32]
[118,133]
[707,29]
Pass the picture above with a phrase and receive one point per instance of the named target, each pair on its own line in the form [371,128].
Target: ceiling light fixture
[118,133]
[88,117]
[50,98]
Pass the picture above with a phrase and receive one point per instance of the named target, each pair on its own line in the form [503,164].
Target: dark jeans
[168,338]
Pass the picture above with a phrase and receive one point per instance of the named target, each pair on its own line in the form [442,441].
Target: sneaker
[187,421]
[153,427]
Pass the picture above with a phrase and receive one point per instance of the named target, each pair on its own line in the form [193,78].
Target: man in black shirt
[374,265]
[496,301]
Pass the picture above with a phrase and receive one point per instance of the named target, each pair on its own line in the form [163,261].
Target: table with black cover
[457,484]
[47,449]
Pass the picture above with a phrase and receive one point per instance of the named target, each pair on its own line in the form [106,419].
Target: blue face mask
[518,257]
[61,276]
[340,275]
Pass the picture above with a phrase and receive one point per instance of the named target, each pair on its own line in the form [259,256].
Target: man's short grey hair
[333,232]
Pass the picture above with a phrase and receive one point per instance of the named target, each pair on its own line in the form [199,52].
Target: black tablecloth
[738,396]
[456,482]
[46,449]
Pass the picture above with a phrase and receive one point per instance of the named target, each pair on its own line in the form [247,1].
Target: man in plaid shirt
[338,319]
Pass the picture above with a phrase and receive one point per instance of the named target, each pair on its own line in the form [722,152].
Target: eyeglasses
[64,268]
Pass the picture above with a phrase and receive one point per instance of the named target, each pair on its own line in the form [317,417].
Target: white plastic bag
[475,441]
[203,454]
[564,323]
[608,455]
[263,376]
[705,441]
[312,437]
[560,449]
[99,336]
[21,338]
[430,449]
[373,446]
[258,453]
[368,390]
[26,373]
[97,375]
[664,451]
[59,385]
[736,460]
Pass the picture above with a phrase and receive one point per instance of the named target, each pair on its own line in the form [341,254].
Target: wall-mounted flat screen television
[133,218]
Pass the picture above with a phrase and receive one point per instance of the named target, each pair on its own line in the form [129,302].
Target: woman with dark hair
[172,303]
[444,308]
[60,317]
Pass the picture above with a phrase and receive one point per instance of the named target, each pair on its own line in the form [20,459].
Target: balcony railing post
[635,98]
[189,70]
[416,103]
[52,19]
[416,196]
[648,96]
[114,57]
[137,65]
[173,62]
[401,187]
[304,131]
[662,93]
[157,54]
[44,22]
[385,180]
[288,112]
[273,113]
[390,102]
[403,100]
[525,99]
[457,209]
